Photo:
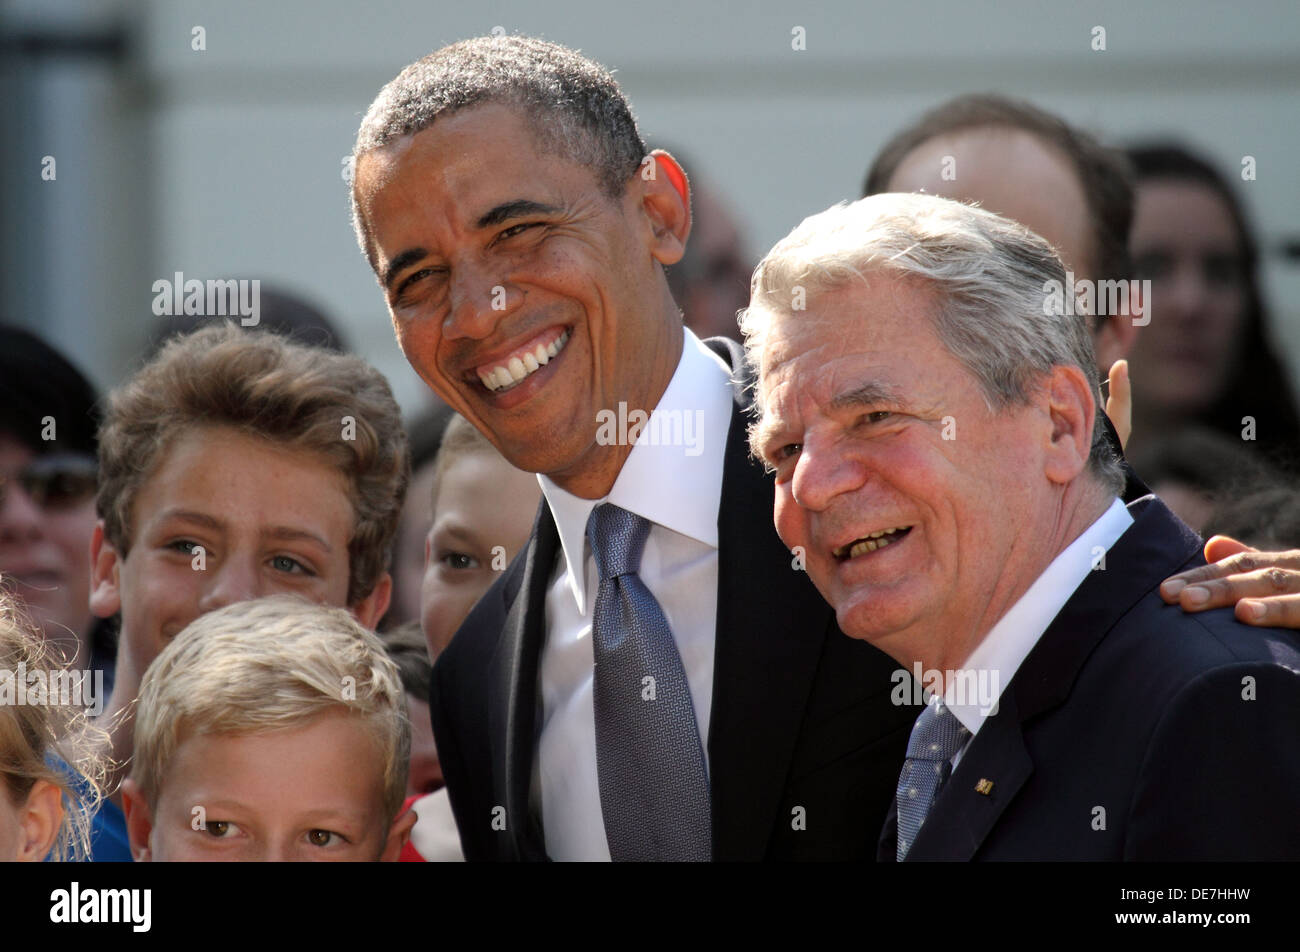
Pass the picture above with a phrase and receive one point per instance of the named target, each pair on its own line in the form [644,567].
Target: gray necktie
[654,787]
[936,736]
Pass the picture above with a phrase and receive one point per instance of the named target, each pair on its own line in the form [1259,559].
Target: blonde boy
[272,729]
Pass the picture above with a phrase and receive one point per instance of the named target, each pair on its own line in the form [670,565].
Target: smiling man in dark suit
[654,677]
[931,417]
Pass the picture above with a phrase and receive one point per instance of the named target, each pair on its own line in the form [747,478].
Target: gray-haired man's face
[893,477]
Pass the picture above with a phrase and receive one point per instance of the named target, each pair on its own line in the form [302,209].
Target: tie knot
[937,735]
[617,538]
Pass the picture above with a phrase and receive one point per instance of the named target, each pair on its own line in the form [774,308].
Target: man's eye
[324,838]
[283,563]
[409,283]
[459,561]
[187,546]
[220,829]
[787,451]
[877,416]
[516,229]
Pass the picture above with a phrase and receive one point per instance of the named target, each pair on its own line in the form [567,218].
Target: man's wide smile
[506,371]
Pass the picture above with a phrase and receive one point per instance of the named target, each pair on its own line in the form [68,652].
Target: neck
[594,475]
[947,643]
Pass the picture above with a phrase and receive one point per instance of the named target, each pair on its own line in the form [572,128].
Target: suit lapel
[987,779]
[771,627]
[513,685]
[997,762]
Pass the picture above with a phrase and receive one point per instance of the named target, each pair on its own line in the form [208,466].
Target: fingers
[1262,596]
[1282,611]
[1245,563]
[1219,547]
[1119,400]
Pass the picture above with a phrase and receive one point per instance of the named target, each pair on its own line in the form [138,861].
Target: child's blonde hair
[265,665]
[44,739]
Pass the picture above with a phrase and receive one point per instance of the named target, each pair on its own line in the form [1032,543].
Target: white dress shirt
[1009,642]
[677,486]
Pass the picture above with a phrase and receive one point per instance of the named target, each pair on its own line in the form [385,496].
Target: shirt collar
[1008,643]
[673,475]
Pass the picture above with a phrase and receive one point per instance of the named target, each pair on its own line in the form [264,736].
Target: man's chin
[874,618]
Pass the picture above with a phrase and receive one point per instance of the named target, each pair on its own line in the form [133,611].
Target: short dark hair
[575,105]
[1104,174]
[38,384]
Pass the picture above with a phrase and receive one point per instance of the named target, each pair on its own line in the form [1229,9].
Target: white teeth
[517,368]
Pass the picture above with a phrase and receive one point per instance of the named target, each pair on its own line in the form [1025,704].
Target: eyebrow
[283,533]
[515,209]
[760,434]
[403,260]
[866,394]
[289,534]
[454,528]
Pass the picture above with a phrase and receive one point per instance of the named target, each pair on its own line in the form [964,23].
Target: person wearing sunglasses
[48,417]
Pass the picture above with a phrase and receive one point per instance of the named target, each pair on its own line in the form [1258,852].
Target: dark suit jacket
[801,713]
[1132,707]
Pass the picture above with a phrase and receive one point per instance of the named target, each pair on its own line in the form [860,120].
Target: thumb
[1119,401]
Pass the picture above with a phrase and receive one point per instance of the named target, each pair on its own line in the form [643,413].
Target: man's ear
[105,568]
[398,835]
[666,198]
[39,819]
[1072,410]
[370,609]
[139,820]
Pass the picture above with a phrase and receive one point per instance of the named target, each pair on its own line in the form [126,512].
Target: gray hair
[992,277]
[574,104]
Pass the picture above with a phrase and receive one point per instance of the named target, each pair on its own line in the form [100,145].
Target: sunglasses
[57,481]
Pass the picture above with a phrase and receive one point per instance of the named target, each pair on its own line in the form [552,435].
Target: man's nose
[823,471]
[478,297]
[232,580]
[20,517]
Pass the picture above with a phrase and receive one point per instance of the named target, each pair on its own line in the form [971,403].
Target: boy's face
[308,793]
[482,518]
[224,518]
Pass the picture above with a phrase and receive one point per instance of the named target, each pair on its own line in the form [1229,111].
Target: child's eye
[220,829]
[325,838]
[187,546]
[283,563]
[459,561]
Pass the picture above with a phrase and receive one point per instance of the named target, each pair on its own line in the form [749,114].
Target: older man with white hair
[941,465]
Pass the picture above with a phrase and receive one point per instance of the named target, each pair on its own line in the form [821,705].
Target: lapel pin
[985,787]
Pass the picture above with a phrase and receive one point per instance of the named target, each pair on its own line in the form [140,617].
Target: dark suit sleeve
[1221,777]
